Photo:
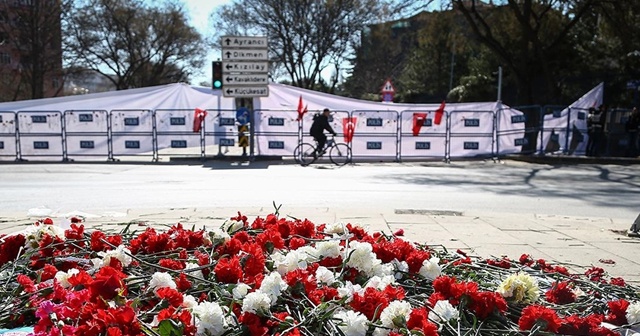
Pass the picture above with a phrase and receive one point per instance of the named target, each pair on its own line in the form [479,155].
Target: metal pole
[500,83]
[453,62]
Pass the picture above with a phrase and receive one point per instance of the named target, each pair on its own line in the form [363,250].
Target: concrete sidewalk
[575,242]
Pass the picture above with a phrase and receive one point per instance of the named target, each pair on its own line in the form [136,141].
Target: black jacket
[320,123]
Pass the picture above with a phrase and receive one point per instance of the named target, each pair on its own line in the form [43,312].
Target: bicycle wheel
[340,154]
[305,154]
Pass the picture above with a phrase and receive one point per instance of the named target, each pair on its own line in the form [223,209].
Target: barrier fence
[383,134]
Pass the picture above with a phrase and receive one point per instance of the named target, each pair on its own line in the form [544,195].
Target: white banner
[273,122]
[7,148]
[423,146]
[376,122]
[86,121]
[45,122]
[510,131]
[131,121]
[469,122]
[276,144]
[87,145]
[179,144]
[45,146]
[470,146]
[370,146]
[132,144]
[174,121]
[8,124]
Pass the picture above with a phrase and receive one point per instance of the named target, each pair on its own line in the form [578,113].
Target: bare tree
[134,45]
[30,33]
[306,36]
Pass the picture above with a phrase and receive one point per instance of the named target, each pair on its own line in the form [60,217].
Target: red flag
[301,110]
[198,118]
[348,128]
[418,121]
[439,113]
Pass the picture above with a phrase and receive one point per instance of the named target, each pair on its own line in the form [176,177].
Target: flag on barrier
[301,110]
[348,128]
[439,113]
[198,117]
[418,122]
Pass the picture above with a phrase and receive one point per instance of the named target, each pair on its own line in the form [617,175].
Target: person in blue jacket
[320,124]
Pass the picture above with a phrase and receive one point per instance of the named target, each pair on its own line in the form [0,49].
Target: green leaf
[169,328]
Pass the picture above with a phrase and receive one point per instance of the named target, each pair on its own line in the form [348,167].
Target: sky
[199,11]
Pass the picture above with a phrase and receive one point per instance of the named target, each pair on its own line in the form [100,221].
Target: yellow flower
[520,288]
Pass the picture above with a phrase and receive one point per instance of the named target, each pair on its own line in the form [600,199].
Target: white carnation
[209,318]
[197,273]
[232,226]
[161,280]
[361,257]
[218,234]
[348,290]
[443,311]
[329,248]
[633,313]
[381,269]
[431,269]
[256,302]
[325,276]
[273,285]
[121,253]
[292,261]
[396,314]
[63,277]
[380,282]
[336,228]
[352,323]
[189,301]
[401,267]
[240,291]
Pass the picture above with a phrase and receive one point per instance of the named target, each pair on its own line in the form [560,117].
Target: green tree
[30,32]
[306,37]
[134,45]
[530,37]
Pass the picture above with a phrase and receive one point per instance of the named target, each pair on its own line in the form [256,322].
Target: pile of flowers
[286,276]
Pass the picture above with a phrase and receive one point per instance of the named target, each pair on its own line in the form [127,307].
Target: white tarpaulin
[377,127]
[571,121]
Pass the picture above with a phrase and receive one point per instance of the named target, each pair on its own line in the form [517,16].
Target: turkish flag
[301,110]
[418,121]
[198,118]
[439,113]
[348,128]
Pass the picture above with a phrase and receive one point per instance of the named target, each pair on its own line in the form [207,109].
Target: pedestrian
[599,138]
[631,127]
[591,118]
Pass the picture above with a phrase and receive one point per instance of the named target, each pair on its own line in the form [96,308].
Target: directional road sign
[252,42]
[245,67]
[244,55]
[246,91]
[245,79]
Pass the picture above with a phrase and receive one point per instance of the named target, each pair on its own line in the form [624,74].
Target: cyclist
[320,124]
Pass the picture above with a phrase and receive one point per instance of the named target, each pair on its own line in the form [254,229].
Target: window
[5,58]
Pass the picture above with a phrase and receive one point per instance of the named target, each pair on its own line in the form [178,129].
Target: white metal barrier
[55,135]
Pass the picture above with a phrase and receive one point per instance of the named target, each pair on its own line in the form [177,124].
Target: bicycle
[339,153]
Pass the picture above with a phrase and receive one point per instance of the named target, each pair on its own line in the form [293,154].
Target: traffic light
[216,81]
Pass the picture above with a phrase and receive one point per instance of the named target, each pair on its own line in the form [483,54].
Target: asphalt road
[510,187]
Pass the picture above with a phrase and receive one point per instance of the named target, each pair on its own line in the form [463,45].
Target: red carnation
[533,315]
[228,270]
[617,312]
[10,247]
[171,295]
[419,320]
[108,283]
[371,303]
[182,283]
[484,304]
[560,293]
